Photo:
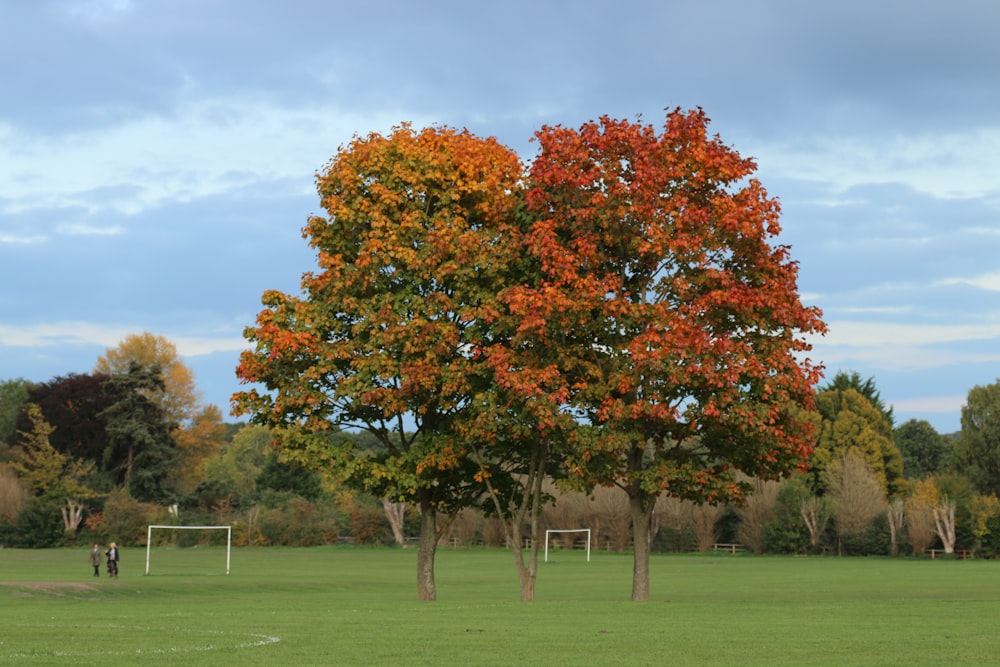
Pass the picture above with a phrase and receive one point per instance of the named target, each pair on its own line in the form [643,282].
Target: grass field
[354,606]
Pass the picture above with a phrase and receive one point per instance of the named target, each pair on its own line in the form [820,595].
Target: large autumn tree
[387,334]
[666,315]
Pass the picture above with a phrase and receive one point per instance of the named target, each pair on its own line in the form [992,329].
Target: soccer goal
[229,538]
[568,530]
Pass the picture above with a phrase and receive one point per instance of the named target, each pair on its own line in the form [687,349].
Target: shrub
[125,519]
[298,523]
[39,525]
[369,525]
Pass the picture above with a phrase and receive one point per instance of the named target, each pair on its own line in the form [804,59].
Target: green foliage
[13,396]
[140,449]
[72,405]
[231,476]
[959,489]
[988,544]
[787,533]
[291,477]
[977,449]
[300,522]
[125,519]
[873,541]
[924,451]
[39,525]
[849,420]
[843,381]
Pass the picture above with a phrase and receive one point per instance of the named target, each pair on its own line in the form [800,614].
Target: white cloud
[958,164]
[986,281]
[62,333]
[907,347]
[874,334]
[80,229]
[930,404]
[15,239]
[204,148]
[109,336]
[188,346]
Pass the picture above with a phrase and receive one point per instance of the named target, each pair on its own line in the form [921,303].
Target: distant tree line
[871,489]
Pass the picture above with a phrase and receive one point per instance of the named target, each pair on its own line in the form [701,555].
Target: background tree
[920,515]
[202,439]
[977,449]
[986,522]
[51,477]
[72,404]
[663,315]
[289,477]
[850,421]
[140,450]
[13,495]
[843,381]
[177,395]
[705,524]
[924,451]
[13,397]
[957,490]
[895,514]
[756,512]
[856,492]
[800,518]
[386,334]
[230,477]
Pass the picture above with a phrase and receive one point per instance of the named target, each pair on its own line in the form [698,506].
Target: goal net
[568,530]
[151,528]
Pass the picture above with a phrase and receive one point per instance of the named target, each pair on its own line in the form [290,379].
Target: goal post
[567,530]
[229,539]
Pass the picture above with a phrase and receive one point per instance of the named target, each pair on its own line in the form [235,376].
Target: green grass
[354,606]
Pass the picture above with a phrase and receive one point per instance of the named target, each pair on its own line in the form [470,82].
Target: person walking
[95,560]
[112,555]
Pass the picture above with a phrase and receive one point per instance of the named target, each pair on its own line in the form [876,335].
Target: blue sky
[157,157]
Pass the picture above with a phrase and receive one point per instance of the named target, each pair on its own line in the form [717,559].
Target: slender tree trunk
[895,516]
[426,589]
[641,509]
[513,519]
[128,473]
[529,574]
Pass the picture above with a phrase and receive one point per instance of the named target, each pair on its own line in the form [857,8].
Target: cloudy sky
[157,157]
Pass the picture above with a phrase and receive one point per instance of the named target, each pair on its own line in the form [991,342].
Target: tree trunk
[395,513]
[526,572]
[72,515]
[529,574]
[895,516]
[944,524]
[426,589]
[641,509]
[815,516]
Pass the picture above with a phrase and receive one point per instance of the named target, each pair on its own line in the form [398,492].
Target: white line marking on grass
[255,640]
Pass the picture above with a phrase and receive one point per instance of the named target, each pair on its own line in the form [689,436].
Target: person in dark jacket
[112,555]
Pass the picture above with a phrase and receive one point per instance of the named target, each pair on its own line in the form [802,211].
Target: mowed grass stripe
[342,605]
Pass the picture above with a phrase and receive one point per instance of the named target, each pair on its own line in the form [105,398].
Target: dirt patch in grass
[48,588]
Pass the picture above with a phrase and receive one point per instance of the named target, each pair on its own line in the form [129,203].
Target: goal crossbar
[229,539]
[567,530]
